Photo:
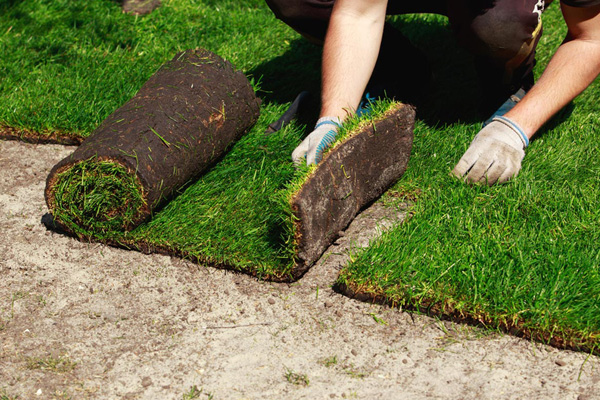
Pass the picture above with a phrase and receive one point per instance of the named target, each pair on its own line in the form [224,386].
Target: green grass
[67,65]
[296,378]
[195,393]
[521,255]
[4,396]
[60,364]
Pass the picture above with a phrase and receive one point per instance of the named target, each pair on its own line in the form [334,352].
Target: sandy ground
[86,321]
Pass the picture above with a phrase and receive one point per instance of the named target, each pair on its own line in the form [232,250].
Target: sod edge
[372,292]
[49,137]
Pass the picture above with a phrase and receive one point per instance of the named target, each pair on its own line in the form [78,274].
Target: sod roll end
[352,174]
[181,121]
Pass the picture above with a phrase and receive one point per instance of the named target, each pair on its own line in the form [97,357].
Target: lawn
[524,256]
[521,256]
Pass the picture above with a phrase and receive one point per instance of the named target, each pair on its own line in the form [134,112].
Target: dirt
[87,321]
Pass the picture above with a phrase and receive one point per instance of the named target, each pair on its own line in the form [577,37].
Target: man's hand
[321,138]
[495,154]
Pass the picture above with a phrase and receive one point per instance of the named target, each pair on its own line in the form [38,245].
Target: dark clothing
[581,3]
[502,34]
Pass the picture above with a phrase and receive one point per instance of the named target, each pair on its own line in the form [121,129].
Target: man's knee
[286,10]
[508,33]
[308,17]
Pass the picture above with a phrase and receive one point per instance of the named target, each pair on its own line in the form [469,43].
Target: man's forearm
[349,54]
[573,67]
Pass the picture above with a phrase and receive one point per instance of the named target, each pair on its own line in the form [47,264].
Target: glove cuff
[515,128]
[335,121]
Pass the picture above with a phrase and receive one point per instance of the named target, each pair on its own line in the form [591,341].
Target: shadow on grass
[454,94]
[7,4]
[282,78]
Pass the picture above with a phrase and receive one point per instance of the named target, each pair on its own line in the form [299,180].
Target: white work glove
[313,146]
[495,154]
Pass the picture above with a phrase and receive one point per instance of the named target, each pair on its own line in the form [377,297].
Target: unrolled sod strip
[179,123]
[354,173]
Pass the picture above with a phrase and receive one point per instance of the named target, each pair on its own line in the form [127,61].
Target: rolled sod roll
[351,175]
[179,123]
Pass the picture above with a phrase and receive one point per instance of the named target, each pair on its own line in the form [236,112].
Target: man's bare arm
[496,152]
[573,67]
[349,54]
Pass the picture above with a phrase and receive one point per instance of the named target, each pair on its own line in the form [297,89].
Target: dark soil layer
[179,123]
[357,172]
[25,135]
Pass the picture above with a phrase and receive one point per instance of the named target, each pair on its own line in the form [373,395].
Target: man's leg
[502,34]
[307,17]
[401,71]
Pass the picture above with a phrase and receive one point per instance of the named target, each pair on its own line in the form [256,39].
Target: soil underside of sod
[549,217]
[29,136]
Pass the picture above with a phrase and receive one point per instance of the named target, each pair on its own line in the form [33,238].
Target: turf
[239,215]
[200,105]
[521,256]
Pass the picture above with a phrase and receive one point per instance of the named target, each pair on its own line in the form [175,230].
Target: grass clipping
[181,121]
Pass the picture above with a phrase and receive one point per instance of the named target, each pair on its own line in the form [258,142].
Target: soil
[87,321]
